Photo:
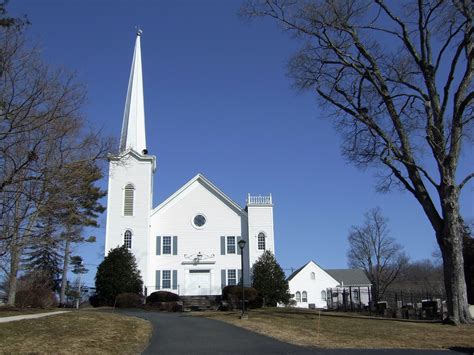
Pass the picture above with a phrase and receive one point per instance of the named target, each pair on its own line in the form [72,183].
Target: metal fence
[394,304]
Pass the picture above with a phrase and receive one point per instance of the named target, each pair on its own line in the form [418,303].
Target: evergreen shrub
[97,301]
[232,295]
[161,296]
[118,273]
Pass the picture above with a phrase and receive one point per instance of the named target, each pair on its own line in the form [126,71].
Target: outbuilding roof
[349,277]
[294,273]
[346,277]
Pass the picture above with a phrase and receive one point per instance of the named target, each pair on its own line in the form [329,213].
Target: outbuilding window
[127,239]
[355,296]
[298,296]
[323,295]
[304,297]
[313,276]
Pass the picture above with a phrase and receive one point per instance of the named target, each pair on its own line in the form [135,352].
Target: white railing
[259,200]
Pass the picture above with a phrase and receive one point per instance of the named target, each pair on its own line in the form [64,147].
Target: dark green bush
[232,295]
[118,273]
[97,301]
[128,300]
[35,298]
[162,296]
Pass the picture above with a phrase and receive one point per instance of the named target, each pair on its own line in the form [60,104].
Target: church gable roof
[209,186]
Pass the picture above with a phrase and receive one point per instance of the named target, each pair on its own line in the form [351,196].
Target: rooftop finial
[139,30]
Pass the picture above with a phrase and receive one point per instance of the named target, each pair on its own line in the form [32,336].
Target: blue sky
[217,101]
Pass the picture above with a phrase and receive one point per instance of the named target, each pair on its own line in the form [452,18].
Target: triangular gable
[136,155]
[209,186]
[304,267]
[297,271]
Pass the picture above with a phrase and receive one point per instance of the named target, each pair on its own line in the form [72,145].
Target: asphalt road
[180,333]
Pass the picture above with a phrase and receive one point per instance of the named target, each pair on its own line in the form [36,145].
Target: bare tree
[47,153]
[374,251]
[398,79]
[421,277]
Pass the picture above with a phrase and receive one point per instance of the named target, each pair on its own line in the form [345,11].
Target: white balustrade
[259,200]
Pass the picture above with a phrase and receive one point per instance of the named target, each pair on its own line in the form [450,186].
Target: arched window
[128,195]
[261,241]
[323,295]
[127,239]
[298,296]
[313,276]
[304,297]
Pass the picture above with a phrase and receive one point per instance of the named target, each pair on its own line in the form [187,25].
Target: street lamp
[241,244]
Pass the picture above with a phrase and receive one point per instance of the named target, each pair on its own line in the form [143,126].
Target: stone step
[199,303]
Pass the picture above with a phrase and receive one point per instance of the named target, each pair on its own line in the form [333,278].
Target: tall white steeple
[133,127]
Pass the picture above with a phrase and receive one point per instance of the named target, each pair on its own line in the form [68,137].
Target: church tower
[130,190]
[260,226]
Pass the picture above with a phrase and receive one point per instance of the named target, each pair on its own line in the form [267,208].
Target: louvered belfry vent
[128,200]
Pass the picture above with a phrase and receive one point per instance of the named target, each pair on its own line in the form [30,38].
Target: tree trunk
[62,295]
[451,245]
[375,293]
[13,276]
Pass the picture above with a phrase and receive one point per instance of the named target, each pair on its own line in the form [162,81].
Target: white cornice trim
[136,155]
[199,263]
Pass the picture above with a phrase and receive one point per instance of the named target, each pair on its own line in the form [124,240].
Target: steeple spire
[133,127]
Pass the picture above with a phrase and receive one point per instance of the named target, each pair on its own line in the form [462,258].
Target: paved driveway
[180,333]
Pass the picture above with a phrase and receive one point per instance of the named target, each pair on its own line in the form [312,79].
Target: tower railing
[259,200]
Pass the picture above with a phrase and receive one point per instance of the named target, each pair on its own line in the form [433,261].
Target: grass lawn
[345,332]
[78,332]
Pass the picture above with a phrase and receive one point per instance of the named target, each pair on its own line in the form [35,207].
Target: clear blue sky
[217,101]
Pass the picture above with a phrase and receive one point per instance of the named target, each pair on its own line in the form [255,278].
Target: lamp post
[241,244]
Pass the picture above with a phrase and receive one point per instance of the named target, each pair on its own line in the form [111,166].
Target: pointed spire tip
[139,30]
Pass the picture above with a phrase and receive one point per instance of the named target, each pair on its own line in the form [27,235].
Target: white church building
[188,244]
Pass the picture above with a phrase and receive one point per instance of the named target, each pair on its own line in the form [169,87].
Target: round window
[199,221]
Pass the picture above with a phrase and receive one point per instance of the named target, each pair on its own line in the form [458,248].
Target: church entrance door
[198,282]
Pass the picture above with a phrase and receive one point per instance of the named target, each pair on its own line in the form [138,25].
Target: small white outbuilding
[314,287]
[308,286]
